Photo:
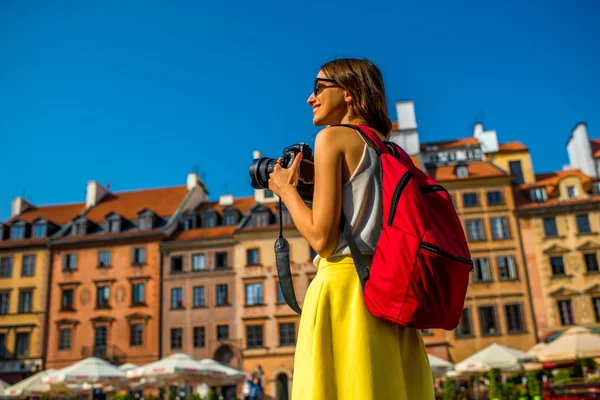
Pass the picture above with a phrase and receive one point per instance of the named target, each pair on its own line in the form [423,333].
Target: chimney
[94,194]
[226,200]
[406,115]
[256,154]
[477,130]
[19,206]
[406,136]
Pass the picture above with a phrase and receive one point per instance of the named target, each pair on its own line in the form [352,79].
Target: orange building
[24,284]
[106,267]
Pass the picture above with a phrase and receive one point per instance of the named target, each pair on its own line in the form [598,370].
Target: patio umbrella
[177,367]
[576,342]
[128,367]
[439,365]
[226,375]
[34,387]
[91,370]
[495,356]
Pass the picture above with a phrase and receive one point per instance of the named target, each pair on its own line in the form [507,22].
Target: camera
[261,168]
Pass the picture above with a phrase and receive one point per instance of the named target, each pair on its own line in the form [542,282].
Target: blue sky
[137,94]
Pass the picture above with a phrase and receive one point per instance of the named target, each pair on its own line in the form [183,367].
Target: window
[25,301]
[516,172]
[138,295]
[596,305]
[591,262]
[6,267]
[198,294]
[209,220]
[494,198]
[2,231]
[583,223]
[198,262]
[254,336]
[287,334]
[596,188]
[39,230]
[482,270]
[571,192]
[487,320]
[500,228]
[100,339]
[102,296]
[199,337]
[4,302]
[514,318]
[22,345]
[28,266]
[66,301]
[64,339]
[104,258]
[462,171]
[452,156]
[114,225]
[176,338]
[188,224]
[475,230]
[2,346]
[464,327]
[221,260]
[146,222]
[222,299]
[176,264]
[538,194]
[470,200]
[550,228]
[261,218]
[254,294]
[507,269]
[269,194]
[18,232]
[472,154]
[69,262]
[252,257]
[176,298]
[558,266]
[223,332]
[138,256]
[280,298]
[565,309]
[80,228]
[230,219]
[136,335]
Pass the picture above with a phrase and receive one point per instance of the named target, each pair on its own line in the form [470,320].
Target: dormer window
[269,194]
[286,218]
[1,231]
[452,156]
[209,219]
[538,194]
[231,216]
[596,191]
[18,231]
[472,154]
[572,192]
[40,229]
[261,217]
[188,220]
[146,220]
[462,171]
[80,227]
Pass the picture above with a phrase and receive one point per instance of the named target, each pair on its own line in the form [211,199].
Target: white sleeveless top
[361,204]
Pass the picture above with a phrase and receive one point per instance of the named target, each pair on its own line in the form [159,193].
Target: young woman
[343,351]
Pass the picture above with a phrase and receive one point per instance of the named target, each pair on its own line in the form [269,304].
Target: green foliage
[493,390]
[449,391]
[119,396]
[562,375]
[151,397]
[212,395]
[533,383]
[507,391]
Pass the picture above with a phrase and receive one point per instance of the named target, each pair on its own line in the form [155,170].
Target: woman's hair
[363,80]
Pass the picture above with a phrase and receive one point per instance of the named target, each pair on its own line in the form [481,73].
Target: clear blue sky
[136,93]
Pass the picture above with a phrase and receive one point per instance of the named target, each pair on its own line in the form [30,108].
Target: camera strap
[282,259]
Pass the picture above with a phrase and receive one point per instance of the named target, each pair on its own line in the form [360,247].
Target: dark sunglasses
[319,88]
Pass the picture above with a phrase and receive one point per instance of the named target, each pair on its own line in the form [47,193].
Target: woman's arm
[319,226]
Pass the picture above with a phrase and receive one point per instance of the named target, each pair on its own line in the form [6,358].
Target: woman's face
[327,101]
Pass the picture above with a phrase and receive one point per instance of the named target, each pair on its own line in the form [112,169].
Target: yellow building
[24,285]
[559,217]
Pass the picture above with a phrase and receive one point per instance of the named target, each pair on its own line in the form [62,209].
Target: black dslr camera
[261,168]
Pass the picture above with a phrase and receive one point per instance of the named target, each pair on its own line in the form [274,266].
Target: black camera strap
[282,259]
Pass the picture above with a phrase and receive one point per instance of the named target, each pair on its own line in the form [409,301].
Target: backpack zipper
[432,188]
[396,197]
[437,250]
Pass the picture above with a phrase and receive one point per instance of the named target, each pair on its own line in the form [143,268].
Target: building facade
[25,261]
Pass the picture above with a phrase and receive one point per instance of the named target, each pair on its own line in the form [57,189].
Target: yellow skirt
[344,352]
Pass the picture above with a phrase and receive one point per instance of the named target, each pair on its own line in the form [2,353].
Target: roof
[205,233]
[512,146]
[550,181]
[595,148]
[243,204]
[57,214]
[477,170]
[163,201]
[451,144]
[395,126]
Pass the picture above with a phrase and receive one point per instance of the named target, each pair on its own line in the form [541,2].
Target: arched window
[282,387]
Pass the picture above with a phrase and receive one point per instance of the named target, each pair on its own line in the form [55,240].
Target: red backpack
[420,270]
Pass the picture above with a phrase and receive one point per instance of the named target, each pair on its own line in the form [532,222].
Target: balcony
[109,353]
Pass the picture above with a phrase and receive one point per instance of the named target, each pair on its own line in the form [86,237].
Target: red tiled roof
[480,169]
[395,126]
[524,203]
[550,181]
[512,146]
[205,233]
[163,201]
[451,144]
[58,214]
[595,148]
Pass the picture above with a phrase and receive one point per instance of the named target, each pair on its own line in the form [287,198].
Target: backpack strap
[359,261]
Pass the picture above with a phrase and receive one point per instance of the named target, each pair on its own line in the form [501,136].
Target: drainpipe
[531,310]
[46,334]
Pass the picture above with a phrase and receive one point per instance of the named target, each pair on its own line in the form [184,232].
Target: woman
[343,351]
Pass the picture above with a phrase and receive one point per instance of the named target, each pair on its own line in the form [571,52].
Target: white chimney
[407,136]
[19,206]
[94,193]
[406,115]
[226,200]
[488,140]
[579,150]
[256,154]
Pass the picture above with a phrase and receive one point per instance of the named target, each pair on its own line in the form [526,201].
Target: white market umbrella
[128,367]
[226,375]
[495,356]
[534,351]
[439,365]
[34,387]
[177,367]
[91,370]
[575,342]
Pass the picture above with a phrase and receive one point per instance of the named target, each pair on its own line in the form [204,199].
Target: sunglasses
[319,88]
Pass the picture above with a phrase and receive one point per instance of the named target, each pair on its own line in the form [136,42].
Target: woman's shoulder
[336,136]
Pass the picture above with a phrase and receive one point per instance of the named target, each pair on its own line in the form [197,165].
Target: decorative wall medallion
[84,297]
[120,294]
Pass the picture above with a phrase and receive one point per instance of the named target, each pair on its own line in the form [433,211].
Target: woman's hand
[283,180]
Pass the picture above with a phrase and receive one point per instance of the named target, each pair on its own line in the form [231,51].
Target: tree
[533,384]
[449,391]
[493,391]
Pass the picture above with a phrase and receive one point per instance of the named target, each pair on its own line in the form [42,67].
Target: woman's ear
[348,97]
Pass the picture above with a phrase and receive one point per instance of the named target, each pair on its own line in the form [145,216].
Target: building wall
[120,315]
[502,160]
[13,368]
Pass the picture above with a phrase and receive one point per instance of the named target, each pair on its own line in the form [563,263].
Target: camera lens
[259,172]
